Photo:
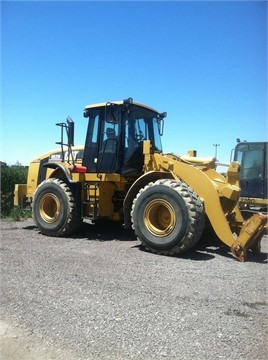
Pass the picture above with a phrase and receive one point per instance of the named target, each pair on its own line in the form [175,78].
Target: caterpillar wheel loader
[122,174]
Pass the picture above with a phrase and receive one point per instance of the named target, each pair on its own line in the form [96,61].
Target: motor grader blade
[250,236]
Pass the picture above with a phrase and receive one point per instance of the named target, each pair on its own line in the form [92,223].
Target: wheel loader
[122,174]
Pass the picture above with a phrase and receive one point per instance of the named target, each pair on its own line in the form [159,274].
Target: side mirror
[70,131]
[111,113]
[161,122]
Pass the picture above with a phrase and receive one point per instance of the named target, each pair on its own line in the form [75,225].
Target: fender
[60,171]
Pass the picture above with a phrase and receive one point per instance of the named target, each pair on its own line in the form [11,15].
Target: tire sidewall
[56,226]
[182,217]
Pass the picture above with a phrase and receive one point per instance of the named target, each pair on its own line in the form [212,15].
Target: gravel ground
[99,296]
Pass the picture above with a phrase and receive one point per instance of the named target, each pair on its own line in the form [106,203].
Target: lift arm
[220,199]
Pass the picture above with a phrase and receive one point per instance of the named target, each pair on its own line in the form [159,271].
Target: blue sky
[204,63]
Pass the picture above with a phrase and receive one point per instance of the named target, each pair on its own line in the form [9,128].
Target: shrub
[11,175]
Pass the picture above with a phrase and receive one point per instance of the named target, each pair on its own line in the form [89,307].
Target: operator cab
[115,135]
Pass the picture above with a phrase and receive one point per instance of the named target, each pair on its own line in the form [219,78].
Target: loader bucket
[250,237]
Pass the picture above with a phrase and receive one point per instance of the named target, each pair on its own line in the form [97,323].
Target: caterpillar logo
[75,154]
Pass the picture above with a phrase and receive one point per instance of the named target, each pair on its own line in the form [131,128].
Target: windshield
[142,124]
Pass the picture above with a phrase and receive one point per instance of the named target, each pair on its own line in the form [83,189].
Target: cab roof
[120,102]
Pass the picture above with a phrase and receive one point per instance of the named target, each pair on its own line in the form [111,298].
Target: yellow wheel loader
[122,174]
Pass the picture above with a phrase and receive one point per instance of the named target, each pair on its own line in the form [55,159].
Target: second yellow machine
[122,174]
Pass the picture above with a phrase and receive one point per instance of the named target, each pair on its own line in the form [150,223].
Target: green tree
[11,175]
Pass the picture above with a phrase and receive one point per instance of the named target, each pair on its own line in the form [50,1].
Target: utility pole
[216,150]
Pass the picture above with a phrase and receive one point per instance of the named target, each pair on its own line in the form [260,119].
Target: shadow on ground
[206,249]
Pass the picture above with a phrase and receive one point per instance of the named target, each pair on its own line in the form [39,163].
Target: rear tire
[167,217]
[54,209]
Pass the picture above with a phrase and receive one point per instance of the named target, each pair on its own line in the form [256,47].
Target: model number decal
[58,156]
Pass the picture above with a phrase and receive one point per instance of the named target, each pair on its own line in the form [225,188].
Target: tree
[11,175]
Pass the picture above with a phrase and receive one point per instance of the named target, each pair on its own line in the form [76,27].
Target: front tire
[54,210]
[167,217]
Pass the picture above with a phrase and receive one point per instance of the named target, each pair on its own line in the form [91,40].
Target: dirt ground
[98,295]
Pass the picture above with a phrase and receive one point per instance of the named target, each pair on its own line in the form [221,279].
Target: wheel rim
[49,208]
[159,218]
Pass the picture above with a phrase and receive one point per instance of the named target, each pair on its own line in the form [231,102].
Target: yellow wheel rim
[49,208]
[159,218]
